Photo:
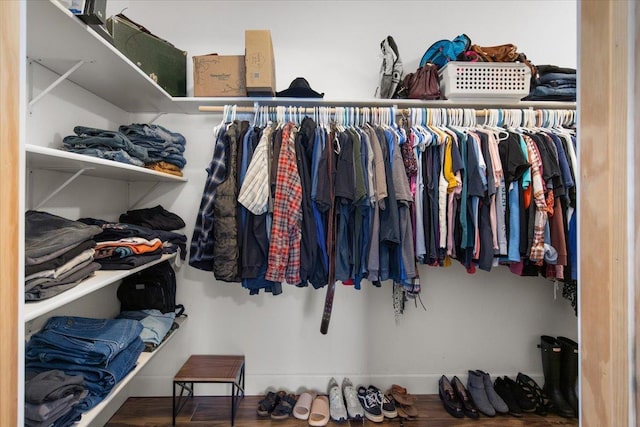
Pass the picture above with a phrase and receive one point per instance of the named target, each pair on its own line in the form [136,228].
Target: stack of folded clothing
[105,144]
[165,148]
[50,395]
[102,351]
[553,83]
[156,325]
[123,246]
[59,254]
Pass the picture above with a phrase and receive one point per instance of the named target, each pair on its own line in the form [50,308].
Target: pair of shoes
[483,394]
[267,405]
[468,407]
[312,407]
[403,401]
[350,395]
[560,368]
[375,404]
[337,407]
[533,392]
[284,408]
[450,400]
[513,395]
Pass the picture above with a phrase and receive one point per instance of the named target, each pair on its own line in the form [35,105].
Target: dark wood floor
[215,412]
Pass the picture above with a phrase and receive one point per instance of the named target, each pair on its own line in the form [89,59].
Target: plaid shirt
[201,252]
[540,219]
[286,232]
[254,194]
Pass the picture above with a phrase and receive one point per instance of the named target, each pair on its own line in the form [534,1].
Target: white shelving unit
[100,279]
[45,158]
[97,415]
[110,75]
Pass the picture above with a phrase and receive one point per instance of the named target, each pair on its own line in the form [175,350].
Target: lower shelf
[100,279]
[96,416]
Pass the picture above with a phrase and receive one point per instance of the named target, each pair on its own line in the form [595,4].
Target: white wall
[335,45]
[490,321]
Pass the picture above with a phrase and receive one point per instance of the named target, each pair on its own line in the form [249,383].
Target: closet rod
[332,110]
[310,110]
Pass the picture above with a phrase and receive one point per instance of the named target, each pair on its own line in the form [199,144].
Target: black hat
[299,88]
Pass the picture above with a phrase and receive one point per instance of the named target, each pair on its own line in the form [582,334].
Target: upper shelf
[58,40]
[46,158]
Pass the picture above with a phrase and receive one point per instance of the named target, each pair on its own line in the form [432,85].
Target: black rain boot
[551,362]
[569,371]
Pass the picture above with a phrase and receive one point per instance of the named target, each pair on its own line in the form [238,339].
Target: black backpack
[153,288]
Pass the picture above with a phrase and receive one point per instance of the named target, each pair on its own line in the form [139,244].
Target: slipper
[269,402]
[284,408]
[303,405]
[319,416]
[401,396]
[406,411]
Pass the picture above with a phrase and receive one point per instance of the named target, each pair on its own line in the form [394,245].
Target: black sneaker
[371,405]
[387,405]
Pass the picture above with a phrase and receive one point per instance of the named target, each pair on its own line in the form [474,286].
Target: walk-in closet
[449,316]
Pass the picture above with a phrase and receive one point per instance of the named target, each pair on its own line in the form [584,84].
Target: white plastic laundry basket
[490,80]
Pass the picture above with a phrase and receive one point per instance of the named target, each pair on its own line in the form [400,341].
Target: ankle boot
[551,364]
[569,371]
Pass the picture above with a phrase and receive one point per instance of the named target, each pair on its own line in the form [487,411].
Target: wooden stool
[209,369]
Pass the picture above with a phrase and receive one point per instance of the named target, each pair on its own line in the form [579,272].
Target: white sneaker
[336,402]
[354,408]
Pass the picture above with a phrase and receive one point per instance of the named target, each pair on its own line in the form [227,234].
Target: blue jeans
[99,138]
[81,341]
[155,133]
[99,380]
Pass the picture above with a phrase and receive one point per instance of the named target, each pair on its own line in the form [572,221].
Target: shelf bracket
[157,116]
[62,186]
[55,83]
[137,202]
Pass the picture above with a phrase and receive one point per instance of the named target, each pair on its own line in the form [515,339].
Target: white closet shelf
[58,40]
[90,417]
[100,279]
[47,158]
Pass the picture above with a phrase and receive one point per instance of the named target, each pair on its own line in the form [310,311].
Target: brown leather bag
[423,84]
[502,53]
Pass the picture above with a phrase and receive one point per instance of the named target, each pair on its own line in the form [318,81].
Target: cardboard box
[260,62]
[219,75]
[159,59]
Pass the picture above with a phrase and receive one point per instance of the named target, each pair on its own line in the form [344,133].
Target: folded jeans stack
[50,395]
[102,351]
[105,144]
[553,83]
[165,148]
[156,325]
[59,254]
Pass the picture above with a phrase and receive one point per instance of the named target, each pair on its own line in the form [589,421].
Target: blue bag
[444,51]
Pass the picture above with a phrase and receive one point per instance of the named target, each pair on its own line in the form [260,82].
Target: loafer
[449,398]
[468,407]
[475,385]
